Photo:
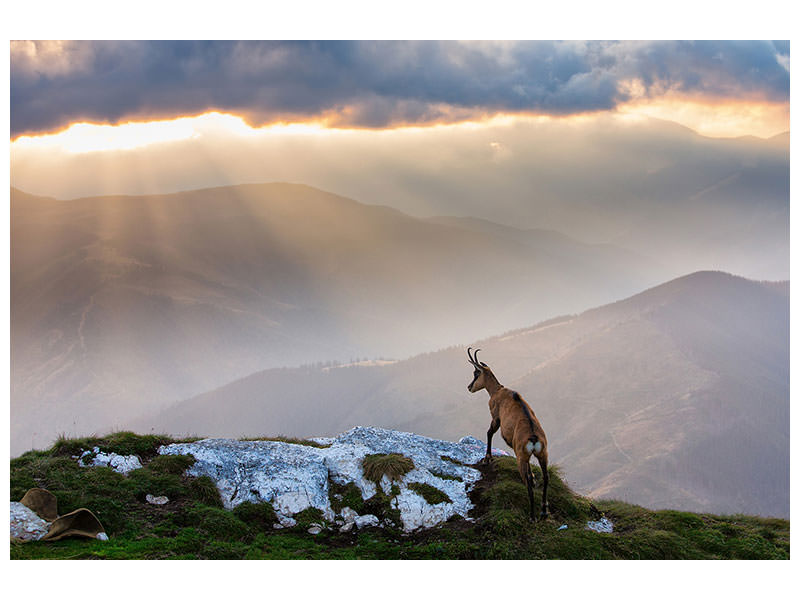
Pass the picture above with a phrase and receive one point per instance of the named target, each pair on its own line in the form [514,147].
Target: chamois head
[480,374]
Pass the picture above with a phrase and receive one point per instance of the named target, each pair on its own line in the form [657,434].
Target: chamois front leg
[493,427]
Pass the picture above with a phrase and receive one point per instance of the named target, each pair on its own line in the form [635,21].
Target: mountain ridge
[121,305]
[700,356]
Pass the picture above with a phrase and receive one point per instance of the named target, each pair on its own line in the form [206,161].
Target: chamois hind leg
[543,464]
[527,478]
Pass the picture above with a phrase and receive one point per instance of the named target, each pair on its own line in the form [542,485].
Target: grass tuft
[394,466]
[345,495]
[204,490]
[260,515]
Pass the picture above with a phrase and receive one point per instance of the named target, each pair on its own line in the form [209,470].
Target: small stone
[102,537]
[562,528]
[470,440]
[277,526]
[347,526]
[286,521]
[348,514]
[156,499]
[366,521]
[604,525]
[314,529]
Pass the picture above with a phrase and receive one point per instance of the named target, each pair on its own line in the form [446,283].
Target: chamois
[518,425]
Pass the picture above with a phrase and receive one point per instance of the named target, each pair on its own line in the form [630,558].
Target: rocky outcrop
[121,464]
[295,477]
[26,525]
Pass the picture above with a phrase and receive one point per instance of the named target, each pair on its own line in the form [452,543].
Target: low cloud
[373,84]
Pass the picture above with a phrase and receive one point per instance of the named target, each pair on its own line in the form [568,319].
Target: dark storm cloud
[725,69]
[371,84]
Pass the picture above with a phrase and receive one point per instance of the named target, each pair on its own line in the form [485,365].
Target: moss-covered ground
[193,525]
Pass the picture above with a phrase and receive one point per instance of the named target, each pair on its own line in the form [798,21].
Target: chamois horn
[473,359]
[475,354]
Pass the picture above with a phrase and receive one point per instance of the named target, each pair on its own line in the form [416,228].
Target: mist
[654,187]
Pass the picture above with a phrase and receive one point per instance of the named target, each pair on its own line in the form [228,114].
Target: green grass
[445,476]
[429,493]
[193,525]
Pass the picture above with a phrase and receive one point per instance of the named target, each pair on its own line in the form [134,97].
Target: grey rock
[604,525]
[294,477]
[367,521]
[118,462]
[470,441]
[347,526]
[315,529]
[348,514]
[26,525]
[158,500]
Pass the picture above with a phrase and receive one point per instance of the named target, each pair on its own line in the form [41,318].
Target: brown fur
[518,425]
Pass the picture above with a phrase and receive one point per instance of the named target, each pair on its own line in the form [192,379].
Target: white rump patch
[530,447]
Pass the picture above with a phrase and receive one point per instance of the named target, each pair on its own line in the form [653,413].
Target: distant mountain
[121,305]
[676,397]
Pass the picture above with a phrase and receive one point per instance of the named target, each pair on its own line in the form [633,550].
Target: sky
[388,84]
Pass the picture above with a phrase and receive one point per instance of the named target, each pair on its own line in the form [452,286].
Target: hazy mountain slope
[678,396]
[121,305]
[562,250]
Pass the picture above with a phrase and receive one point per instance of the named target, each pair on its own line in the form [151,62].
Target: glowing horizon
[707,118]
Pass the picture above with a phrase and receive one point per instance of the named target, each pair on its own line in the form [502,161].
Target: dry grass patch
[394,466]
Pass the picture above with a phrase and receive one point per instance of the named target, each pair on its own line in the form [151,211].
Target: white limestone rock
[26,525]
[473,441]
[347,526]
[294,477]
[367,521]
[348,514]
[158,500]
[604,525]
[118,462]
